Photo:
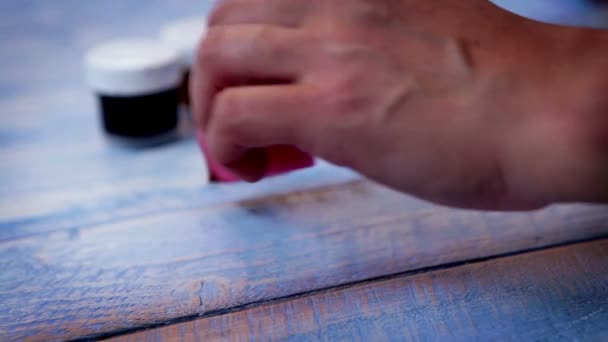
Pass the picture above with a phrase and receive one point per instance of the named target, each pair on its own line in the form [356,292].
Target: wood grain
[156,268]
[106,190]
[556,294]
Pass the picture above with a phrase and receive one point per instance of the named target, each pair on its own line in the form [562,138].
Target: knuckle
[261,33]
[268,43]
[209,51]
[346,82]
[262,38]
[228,113]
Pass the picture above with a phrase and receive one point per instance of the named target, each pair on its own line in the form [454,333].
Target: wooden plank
[556,294]
[174,264]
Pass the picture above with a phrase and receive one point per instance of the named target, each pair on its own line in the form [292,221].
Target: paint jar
[185,35]
[137,84]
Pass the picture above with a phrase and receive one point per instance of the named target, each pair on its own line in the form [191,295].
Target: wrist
[560,152]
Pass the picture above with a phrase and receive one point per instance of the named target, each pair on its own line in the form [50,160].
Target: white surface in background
[566,12]
[185,34]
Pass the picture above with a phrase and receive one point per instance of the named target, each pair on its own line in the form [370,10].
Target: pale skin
[456,102]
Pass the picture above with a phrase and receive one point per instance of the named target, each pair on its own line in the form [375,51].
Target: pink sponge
[281,159]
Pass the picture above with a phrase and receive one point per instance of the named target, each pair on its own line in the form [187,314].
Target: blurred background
[41,48]
[592,13]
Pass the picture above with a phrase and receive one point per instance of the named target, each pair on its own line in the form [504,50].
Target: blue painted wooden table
[98,240]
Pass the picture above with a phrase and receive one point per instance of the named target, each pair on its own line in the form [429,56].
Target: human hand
[444,99]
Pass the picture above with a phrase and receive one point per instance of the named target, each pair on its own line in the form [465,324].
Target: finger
[258,163]
[290,13]
[254,51]
[247,118]
[234,56]
[251,166]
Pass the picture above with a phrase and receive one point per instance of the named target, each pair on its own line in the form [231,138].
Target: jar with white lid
[136,82]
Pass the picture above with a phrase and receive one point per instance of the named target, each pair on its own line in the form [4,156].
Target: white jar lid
[185,34]
[133,67]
